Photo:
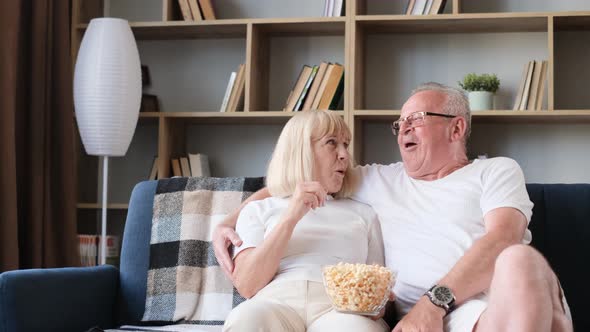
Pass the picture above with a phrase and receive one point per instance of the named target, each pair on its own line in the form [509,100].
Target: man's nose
[406,129]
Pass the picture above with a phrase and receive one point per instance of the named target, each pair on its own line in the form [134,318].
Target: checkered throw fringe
[185,282]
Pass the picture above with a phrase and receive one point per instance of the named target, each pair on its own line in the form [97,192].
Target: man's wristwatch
[441,296]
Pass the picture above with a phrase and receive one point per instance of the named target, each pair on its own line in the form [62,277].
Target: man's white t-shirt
[429,225]
[341,231]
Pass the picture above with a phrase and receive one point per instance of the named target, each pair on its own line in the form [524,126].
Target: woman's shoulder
[363,210]
[266,204]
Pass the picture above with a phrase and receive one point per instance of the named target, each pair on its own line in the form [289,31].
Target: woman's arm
[255,267]
[224,234]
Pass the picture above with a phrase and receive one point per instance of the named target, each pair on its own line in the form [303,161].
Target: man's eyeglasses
[415,119]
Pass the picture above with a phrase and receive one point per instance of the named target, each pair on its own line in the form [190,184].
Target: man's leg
[525,295]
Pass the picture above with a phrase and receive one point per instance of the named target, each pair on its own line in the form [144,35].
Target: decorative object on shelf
[149,103]
[481,90]
[107,95]
[146,79]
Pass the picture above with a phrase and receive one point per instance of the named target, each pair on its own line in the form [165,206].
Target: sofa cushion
[184,280]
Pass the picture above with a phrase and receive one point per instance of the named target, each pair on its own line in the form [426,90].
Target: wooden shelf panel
[110,206]
[186,30]
[505,116]
[261,117]
[331,26]
[234,28]
[458,23]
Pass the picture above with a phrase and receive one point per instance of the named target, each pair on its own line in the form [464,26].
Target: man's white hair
[457,102]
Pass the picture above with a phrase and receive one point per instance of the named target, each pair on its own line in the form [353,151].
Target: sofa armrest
[64,299]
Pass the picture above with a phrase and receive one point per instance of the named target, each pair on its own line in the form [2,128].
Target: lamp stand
[103,241]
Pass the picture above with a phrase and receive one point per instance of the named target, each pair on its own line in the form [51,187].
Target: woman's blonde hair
[292,161]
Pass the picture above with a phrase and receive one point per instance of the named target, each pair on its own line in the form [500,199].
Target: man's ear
[458,128]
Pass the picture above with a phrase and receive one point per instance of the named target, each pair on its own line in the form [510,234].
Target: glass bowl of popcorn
[358,288]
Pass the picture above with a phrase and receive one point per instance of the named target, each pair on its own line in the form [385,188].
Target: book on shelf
[207,9]
[322,87]
[90,249]
[535,80]
[303,96]
[185,9]
[334,8]
[199,164]
[176,171]
[228,89]
[425,7]
[410,7]
[154,171]
[313,89]
[237,93]
[531,90]
[438,7]
[298,88]
[184,167]
[336,78]
[419,6]
[527,86]
[195,11]
[541,92]
[520,91]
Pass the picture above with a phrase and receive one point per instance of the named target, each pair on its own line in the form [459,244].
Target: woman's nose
[343,153]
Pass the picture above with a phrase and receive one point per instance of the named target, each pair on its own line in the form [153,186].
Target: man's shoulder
[368,169]
[498,162]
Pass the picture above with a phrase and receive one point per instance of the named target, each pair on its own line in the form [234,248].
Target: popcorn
[358,288]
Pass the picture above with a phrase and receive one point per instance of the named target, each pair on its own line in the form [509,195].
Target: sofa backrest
[135,253]
[561,231]
[560,227]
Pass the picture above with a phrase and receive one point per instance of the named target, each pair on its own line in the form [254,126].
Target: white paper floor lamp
[107,95]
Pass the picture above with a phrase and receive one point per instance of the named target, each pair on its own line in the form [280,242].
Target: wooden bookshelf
[353,32]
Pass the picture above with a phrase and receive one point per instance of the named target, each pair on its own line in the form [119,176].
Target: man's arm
[224,234]
[473,272]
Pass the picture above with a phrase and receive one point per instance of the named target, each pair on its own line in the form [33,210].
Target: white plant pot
[481,100]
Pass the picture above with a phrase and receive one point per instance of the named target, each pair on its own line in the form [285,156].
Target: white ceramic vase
[481,100]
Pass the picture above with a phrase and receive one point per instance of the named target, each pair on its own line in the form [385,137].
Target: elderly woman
[306,223]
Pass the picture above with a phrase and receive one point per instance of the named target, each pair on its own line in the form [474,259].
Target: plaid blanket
[185,283]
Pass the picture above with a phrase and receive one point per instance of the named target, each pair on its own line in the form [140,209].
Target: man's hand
[223,237]
[424,317]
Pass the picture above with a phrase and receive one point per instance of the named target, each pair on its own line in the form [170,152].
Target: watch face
[442,295]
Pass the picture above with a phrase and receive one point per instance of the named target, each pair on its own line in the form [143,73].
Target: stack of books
[233,99]
[194,164]
[193,10]
[90,249]
[425,7]
[317,88]
[532,87]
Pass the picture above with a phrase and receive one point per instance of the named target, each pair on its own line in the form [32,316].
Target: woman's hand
[307,196]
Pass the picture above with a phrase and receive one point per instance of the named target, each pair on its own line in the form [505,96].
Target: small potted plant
[481,90]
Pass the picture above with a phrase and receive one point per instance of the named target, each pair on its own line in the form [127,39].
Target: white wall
[397,63]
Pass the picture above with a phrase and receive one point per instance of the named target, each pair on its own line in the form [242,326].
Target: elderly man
[455,231]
